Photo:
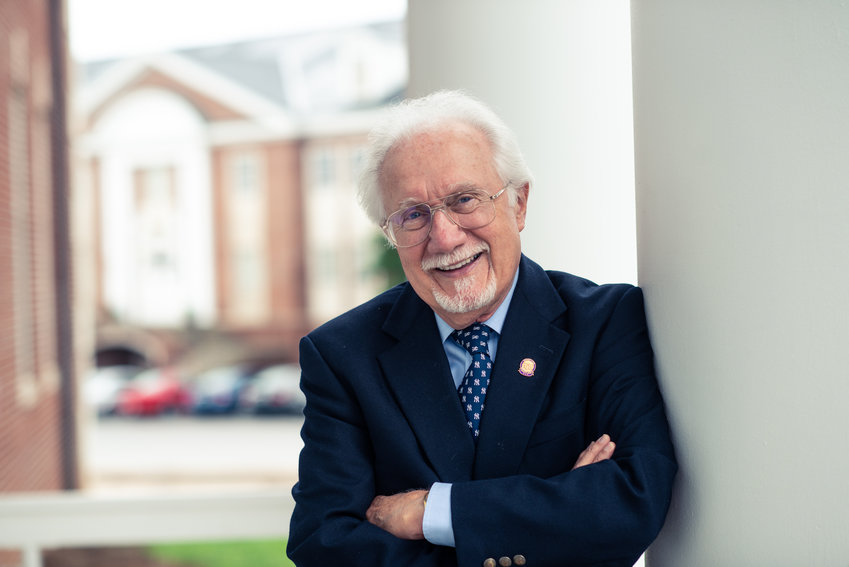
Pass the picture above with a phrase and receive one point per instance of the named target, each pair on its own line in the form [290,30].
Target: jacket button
[519,560]
[489,562]
[505,562]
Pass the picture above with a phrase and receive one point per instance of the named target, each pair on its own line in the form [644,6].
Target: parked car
[217,390]
[153,392]
[103,386]
[274,390]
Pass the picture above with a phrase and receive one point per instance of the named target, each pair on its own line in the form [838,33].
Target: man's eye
[464,202]
[413,217]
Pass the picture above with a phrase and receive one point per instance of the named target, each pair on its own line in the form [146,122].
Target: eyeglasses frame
[441,207]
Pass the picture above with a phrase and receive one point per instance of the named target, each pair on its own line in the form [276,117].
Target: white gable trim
[195,77]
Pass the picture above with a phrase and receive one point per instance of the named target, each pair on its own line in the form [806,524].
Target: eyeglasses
[469,209]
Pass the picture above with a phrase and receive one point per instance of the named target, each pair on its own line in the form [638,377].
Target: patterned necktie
[472,390]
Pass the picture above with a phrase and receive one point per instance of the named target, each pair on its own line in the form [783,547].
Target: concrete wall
[742,170]
[558,71]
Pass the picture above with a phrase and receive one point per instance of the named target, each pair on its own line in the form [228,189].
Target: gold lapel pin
[527,367]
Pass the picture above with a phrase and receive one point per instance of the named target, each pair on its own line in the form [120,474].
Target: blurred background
[218,159]
[199,221]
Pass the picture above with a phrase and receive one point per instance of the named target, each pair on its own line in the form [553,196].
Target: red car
[153,392]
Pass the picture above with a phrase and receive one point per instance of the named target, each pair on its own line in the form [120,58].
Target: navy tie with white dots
[472,390]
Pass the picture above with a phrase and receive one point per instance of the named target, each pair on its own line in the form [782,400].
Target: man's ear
[522,205]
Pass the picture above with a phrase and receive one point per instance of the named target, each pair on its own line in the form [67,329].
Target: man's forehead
[437,163]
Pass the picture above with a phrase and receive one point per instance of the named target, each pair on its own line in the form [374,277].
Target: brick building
[37,418]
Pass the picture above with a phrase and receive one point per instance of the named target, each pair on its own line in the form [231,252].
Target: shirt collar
[496,322]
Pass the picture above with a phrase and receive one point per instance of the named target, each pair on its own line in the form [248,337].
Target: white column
[742,160]
[558,72]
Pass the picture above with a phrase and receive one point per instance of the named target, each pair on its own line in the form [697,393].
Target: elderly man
[486,412]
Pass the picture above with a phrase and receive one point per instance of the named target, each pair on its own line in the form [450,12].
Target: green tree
[387,263]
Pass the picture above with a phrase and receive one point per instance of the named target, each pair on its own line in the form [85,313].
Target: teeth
[460,264]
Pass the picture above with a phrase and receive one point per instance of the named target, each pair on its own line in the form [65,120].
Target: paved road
[181,452]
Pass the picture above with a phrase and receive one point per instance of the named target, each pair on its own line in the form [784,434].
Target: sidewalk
[181,453]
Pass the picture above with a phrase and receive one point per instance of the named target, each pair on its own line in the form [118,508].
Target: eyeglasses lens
[409,227]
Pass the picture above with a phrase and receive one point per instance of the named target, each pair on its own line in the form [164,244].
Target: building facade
[222,182]
[37,347]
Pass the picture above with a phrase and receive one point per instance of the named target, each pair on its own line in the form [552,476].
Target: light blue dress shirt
[437,524]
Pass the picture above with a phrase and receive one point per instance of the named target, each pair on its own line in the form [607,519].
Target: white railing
[34,521]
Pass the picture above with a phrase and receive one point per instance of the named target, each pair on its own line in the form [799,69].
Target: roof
[322,72]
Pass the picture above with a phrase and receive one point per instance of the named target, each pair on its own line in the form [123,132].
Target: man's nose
[445,234]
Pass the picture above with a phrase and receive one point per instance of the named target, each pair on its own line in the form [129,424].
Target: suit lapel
[418,373]
[513,400]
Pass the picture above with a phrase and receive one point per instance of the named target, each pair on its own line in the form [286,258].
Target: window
[21,217]
[156,215]
[324,167]
[245,174]
[246,218]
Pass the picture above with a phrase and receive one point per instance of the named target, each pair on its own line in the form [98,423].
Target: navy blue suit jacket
[383,416]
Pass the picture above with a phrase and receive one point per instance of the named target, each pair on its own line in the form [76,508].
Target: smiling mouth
[460,264]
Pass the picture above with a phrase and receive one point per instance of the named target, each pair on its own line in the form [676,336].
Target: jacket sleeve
[603,514]
[337,483]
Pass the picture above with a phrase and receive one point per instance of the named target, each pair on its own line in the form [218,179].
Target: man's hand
[400,514]
[599,450]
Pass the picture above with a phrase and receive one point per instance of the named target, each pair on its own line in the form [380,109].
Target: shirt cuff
[436,524]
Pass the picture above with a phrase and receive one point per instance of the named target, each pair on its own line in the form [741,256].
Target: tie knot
[474,338]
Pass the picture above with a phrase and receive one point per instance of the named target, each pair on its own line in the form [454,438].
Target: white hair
[414,116]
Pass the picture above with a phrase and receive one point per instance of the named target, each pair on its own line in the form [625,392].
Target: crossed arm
[402,514]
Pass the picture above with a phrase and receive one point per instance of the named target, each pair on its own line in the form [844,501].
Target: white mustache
[454,259]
